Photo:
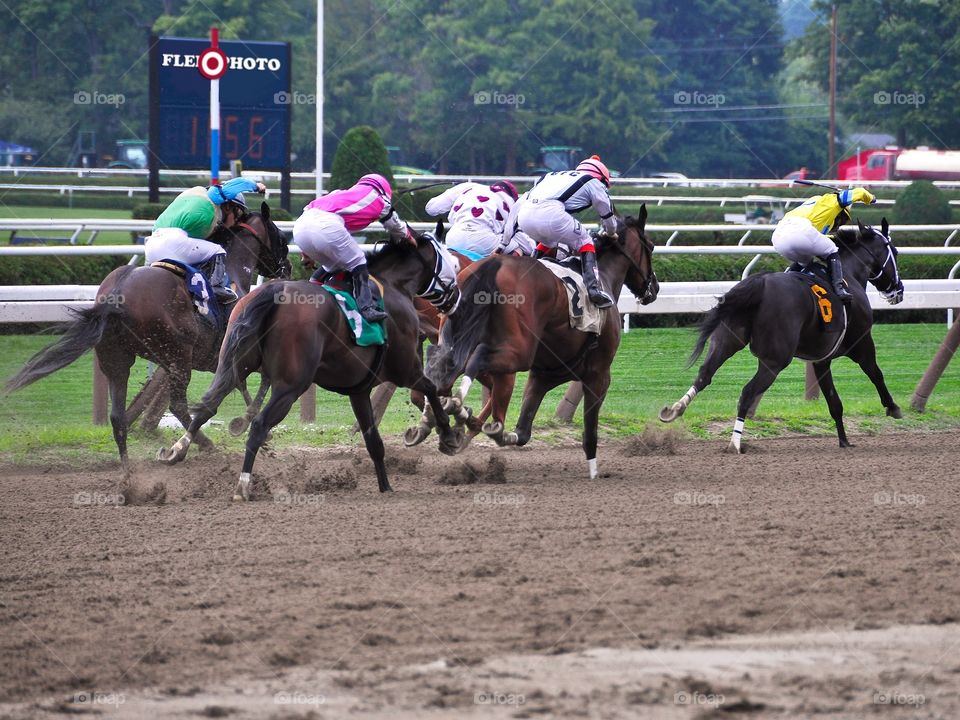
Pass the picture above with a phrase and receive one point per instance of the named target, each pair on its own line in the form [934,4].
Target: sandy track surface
[683,582]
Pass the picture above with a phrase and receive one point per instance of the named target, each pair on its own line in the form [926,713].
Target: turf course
[51,419]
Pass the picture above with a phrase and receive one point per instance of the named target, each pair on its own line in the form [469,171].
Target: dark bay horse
[777,314]
[148,312]
[295,334]
[492,341]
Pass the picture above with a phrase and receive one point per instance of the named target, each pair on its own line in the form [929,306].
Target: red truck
[894,163]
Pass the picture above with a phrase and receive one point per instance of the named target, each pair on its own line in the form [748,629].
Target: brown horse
[295,335]
[491,341]
[148,312]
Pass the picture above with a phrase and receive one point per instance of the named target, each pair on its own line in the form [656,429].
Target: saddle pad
[831,313]
[198,284]
[364,333]
[584,315]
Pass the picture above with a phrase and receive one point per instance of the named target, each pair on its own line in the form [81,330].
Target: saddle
[830,310]
[364,333]
[584,315]
[198,284]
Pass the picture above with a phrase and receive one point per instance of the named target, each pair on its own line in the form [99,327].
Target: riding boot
[591,278]
[543,251]
[363,293]
[220,283]
[836,277]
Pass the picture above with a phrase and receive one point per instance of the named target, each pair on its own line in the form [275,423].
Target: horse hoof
[170,456]
[492,428]
[238,426]
[846,444]
[451,404]
[668,414]
[510,438]
[895,412]
[734,449]
[237,497]
[453,443]
[416,435]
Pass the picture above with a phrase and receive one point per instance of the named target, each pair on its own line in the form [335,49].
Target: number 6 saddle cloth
[830,312]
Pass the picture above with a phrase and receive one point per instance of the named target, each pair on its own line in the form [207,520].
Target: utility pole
[831,150]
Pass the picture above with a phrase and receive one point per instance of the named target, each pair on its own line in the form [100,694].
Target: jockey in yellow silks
[802,235]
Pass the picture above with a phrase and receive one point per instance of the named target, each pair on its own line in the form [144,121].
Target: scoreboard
[255,104]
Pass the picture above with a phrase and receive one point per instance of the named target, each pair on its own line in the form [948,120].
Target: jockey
[802,234]
[546,215]
[476,214]
[323,234]
[196,213]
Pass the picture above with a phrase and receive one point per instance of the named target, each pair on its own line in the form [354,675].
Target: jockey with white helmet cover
[181,230]
[476,214]
[322,233]
[546,215]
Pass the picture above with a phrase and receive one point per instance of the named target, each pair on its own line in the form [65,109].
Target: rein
[621,248]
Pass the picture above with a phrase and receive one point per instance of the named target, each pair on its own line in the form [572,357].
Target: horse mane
[390,250]
[848,235]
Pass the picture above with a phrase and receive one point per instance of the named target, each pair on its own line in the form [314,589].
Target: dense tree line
[704,87]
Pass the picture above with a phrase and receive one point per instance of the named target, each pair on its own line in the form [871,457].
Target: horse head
[876,254]
[633,243]
[427,270]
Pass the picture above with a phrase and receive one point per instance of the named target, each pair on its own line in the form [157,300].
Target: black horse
[779,316]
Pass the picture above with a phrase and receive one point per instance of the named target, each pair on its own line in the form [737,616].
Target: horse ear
[863,230]
[885,227]
[439,232]
[265,211]
[642,217]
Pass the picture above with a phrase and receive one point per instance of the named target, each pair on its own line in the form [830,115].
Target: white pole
[319,158]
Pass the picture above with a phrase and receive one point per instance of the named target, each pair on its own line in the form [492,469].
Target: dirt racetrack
[797,580]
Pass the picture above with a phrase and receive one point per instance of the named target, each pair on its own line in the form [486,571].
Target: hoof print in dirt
[465,473]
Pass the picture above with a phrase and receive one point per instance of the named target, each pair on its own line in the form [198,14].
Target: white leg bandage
[465,387]
[592,465]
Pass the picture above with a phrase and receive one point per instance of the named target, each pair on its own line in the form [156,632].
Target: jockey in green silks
[181,231]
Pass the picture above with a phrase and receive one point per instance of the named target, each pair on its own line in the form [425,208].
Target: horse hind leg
[724,344]
[239,424]
[117,369]
[281,401]
[761,381]
[500,400]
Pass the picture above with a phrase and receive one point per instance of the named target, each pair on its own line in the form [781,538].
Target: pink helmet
[593,167]
[506,187]
[378,182]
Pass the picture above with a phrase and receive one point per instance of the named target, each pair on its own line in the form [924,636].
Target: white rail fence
[51,303]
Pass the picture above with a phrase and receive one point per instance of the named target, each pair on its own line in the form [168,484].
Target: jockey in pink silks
[323,234]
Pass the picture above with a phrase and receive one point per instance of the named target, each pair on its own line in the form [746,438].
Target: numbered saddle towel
[584,315]
[830,310]
[364,333]
[205,302]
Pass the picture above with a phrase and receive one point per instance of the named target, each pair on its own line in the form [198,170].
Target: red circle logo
[212,63]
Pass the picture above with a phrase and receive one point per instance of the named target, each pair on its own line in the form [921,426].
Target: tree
[360,152]
[895,67]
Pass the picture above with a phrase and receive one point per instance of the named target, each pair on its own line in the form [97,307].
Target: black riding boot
[836,277]
[591,278]
[218,281]
[363,293]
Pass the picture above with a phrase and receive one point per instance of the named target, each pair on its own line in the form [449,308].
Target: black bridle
[893,293]
[270,244]
[617,244]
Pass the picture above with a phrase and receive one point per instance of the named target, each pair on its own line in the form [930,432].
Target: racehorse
[296,335]
[779,316]
[148,312]
[491,341]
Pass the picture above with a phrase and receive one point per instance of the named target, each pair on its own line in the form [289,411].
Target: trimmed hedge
[922,202]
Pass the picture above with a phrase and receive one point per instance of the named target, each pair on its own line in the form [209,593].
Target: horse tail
[77,337]
[739,300]
[241,348]
[465,327]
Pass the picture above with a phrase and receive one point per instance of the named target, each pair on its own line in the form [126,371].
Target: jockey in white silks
[477,215]
[546,215]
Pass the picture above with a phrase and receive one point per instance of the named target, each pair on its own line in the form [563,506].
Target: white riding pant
[323,238]
[799,241]
[520,244]
[473,238]
[549,224]
[175,244]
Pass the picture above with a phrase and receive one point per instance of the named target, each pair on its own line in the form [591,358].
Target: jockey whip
[816,184]
[424,187]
